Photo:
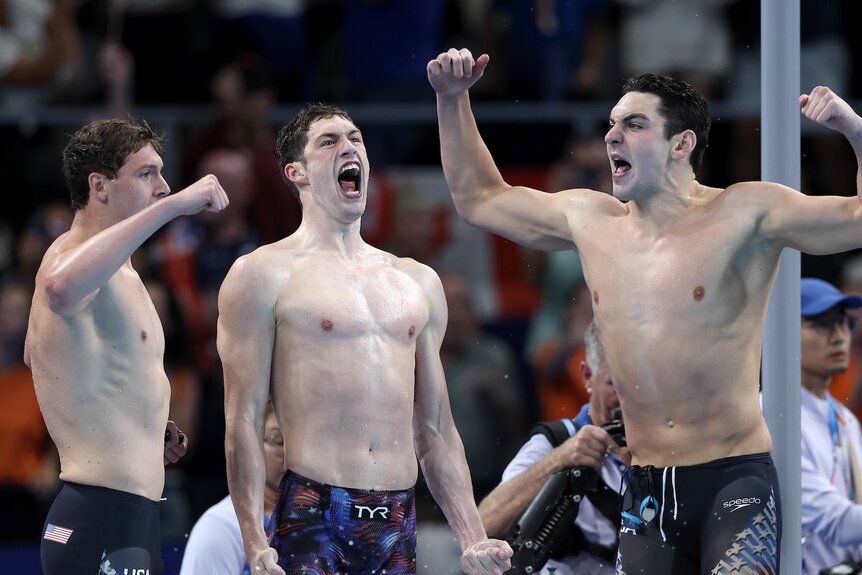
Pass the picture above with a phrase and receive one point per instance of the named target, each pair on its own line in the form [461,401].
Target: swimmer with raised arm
[680,275]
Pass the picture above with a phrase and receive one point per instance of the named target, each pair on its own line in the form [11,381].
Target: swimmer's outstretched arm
[439,447]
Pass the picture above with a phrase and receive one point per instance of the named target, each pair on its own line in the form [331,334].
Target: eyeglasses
[827,324]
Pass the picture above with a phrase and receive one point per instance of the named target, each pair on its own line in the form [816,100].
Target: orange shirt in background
[23,435]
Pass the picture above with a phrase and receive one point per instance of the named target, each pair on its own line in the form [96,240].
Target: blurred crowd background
[219,77]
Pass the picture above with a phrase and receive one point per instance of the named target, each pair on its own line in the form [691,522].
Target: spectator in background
[418,228]
[406,34]
[44,226]
[389,69]
[274,31]
[484,389]
[553,49]
[117,70]
[226,235]
[215,543]
[690,41]
[196,254]
[244,95]
[40,51]
[40,55]
[594,551]
[172,43]
[557,364]
[831,437]
[28,459]
[846,386]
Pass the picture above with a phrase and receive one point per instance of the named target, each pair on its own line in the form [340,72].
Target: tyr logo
[371,513]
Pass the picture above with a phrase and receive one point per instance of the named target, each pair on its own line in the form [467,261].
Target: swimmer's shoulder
[272,257]
[753,191]
[253,271]
[404,264]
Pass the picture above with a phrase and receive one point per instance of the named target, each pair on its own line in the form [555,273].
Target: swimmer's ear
[683,144]
[295,172]
[98,189]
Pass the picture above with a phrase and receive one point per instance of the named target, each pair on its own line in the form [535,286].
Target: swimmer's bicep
[245,335]
[530,217]
[432,413]
[245,304]
[816,225]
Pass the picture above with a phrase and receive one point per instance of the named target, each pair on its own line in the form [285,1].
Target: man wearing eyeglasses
[831,437]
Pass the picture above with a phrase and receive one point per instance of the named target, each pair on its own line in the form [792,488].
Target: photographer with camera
[831,437]
[591,548]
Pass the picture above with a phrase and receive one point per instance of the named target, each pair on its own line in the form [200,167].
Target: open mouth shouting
[620,167]
[350,180]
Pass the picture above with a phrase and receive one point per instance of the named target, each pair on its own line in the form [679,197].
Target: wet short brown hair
[103,147]
[293,137]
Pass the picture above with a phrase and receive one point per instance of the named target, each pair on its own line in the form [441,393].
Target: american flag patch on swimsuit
[57,533]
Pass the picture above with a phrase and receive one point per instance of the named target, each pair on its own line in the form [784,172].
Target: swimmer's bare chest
[666,302]
[327,302]
[689,270]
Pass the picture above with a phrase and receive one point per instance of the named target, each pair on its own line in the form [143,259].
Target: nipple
[326,325]
[698,293]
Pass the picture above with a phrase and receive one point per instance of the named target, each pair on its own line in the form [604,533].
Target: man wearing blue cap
[831,437]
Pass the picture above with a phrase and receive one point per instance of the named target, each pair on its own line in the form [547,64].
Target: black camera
[616,429]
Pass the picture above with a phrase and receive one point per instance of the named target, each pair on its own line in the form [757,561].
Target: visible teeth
[346,167]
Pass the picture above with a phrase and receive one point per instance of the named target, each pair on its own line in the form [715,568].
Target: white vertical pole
[780,158]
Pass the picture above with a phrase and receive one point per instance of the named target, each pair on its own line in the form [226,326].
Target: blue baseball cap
[819,296]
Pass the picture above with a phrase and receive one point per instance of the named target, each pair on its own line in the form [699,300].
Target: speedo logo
[735,504]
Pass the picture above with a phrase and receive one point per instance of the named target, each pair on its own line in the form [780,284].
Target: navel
[699,293]
[143,335]
[596,297]
[326,325]
[412,331]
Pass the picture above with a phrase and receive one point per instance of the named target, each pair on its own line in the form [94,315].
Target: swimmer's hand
[487,556]
[205,194]
[825,107]
[455,71]
[266,563]
[176,443]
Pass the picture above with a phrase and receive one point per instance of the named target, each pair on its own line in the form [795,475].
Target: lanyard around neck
[836,440]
